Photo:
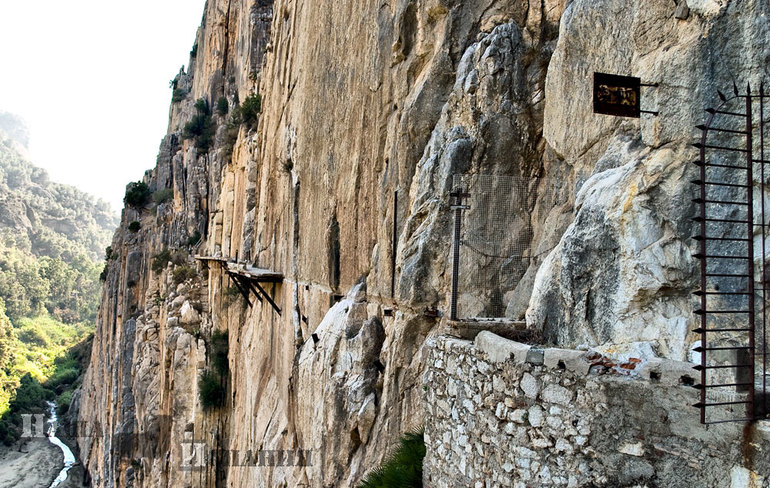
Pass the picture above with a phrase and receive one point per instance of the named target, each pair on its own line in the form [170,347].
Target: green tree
[137,194]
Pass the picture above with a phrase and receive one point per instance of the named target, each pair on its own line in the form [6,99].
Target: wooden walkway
[247,278]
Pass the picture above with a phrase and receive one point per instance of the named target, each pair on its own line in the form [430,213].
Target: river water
[69,458]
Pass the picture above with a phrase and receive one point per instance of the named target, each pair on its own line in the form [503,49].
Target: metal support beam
[243,291]
[267,297]
[458,207]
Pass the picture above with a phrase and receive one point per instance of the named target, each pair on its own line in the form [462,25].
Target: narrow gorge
[277,305]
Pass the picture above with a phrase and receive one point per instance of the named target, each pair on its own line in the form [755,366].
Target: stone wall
[501,413]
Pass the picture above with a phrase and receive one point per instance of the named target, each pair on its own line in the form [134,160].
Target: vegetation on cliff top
[137,194]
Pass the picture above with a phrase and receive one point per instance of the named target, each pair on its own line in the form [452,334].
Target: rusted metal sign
[617,95]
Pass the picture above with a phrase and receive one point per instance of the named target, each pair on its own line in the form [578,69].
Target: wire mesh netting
[495,241]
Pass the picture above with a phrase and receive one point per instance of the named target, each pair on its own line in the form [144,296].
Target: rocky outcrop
[342,187]
[622,271]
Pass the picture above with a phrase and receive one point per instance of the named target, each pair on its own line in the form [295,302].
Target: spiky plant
[403,468]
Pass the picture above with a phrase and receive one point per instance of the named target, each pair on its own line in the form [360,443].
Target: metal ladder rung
[723,366]
[718,165]
[714,183]
[719,404]
[702,293]
[720,202]
[718,256]
[720,148]
[725,239]
[724,385]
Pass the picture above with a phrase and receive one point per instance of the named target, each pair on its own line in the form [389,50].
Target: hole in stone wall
[686,380]
[654,376]
[561,365]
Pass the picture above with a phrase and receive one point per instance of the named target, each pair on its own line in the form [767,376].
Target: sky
[91,79]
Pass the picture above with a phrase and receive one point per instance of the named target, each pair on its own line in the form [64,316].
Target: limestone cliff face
[361,102]
[622,271]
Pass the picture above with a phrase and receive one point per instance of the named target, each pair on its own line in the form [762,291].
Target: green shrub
[178,95]
[33,335]
[62,377]
[63,402]
[179,257]
[108,254]
[163,195]
[104,273]
[194,239]
[250,110]
[222,106]
[160,261]
[403,469]
[219,353]
[201,128]
[137,194]
[31,394]
[134,226]
[194,50]
[231,135]
[211,390]
[183,273]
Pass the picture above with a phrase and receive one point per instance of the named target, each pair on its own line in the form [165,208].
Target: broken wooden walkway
[247,278]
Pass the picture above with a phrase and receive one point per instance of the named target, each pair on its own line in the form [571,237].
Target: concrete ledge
[665,371]
[499,349]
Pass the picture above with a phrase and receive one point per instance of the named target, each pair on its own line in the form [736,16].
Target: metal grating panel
[495,240]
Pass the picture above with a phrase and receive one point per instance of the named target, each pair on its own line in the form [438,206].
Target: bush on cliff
[163,195]
[250,110]
[160,261]
[222,106]
[403,468]
[211,390]
[137,194]
[178,95]
[183,273]
[201,128]
[212,384]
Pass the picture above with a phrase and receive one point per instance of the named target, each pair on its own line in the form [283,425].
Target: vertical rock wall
[362,101]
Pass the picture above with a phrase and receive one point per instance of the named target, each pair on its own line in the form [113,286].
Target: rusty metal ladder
[733,293]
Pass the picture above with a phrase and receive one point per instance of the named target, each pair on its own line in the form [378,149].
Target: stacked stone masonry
[501,413]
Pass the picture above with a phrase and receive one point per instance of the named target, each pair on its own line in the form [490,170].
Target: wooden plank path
[247,278]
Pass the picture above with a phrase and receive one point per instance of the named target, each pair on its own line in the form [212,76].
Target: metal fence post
[458,194]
